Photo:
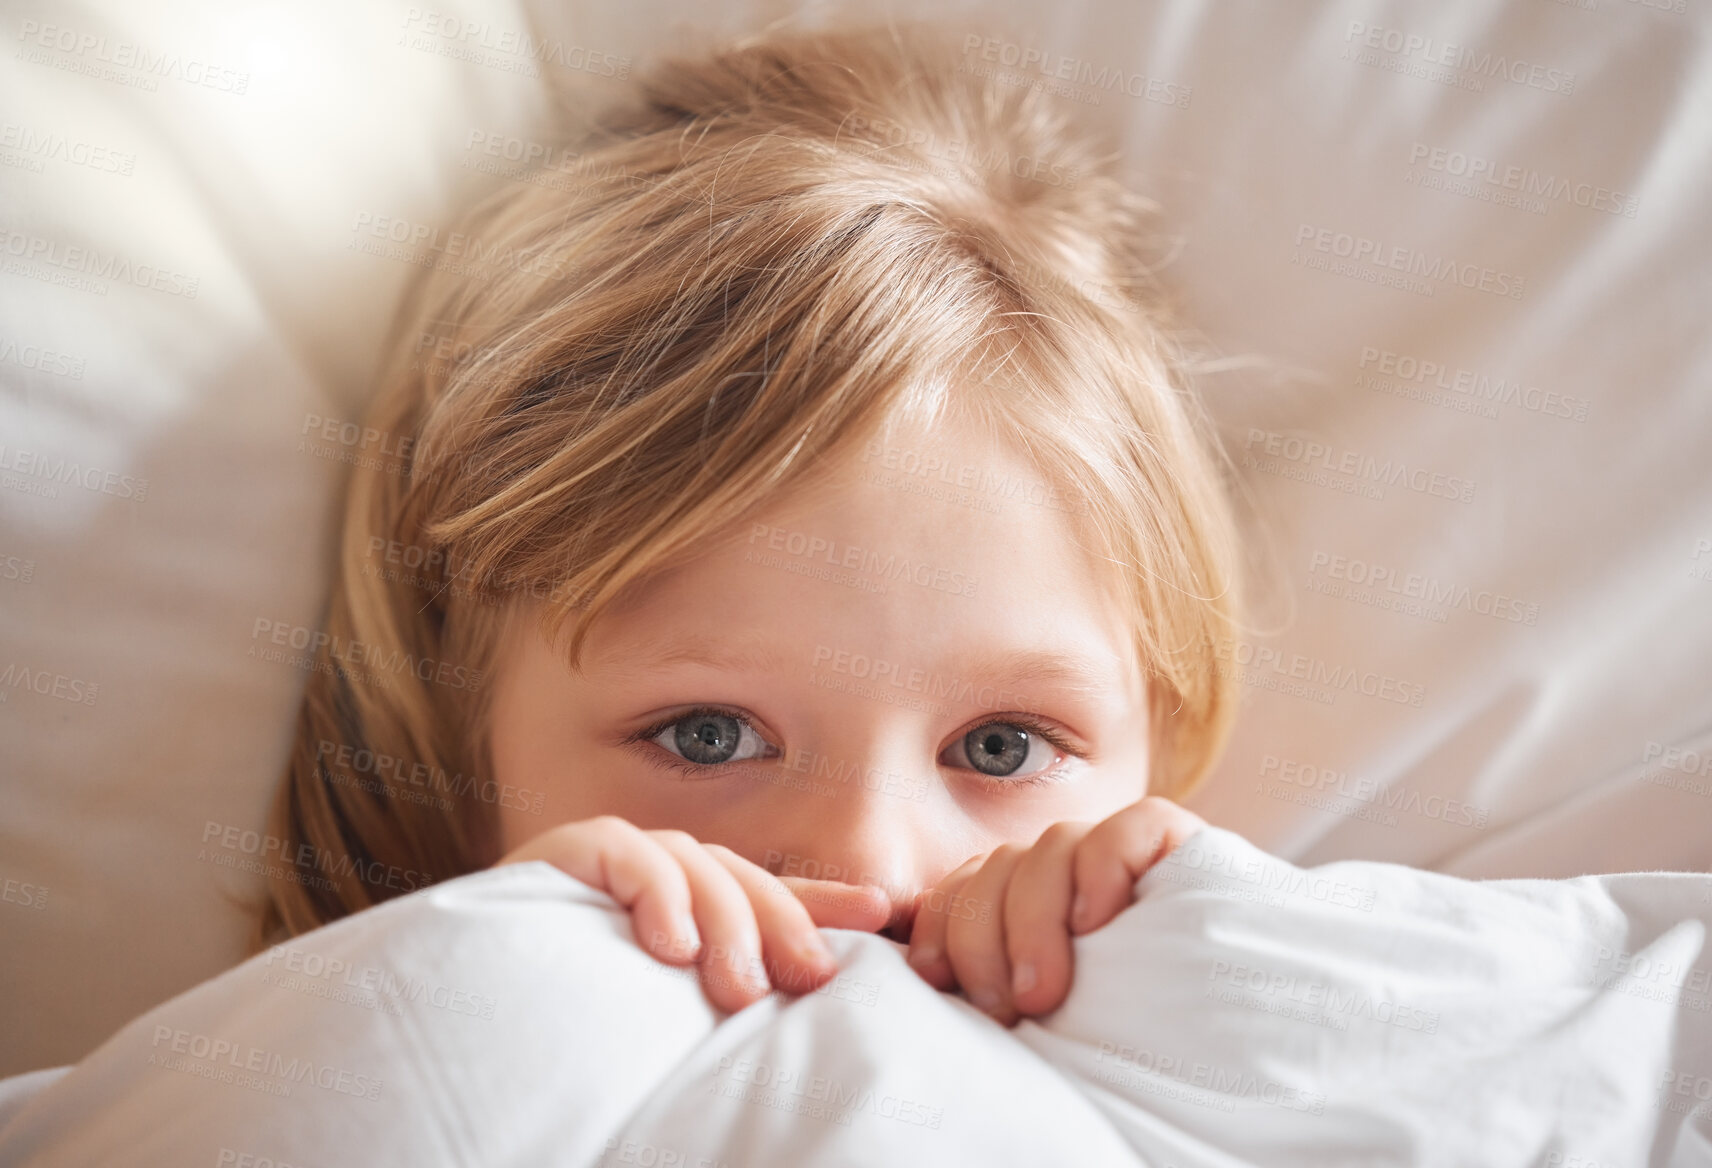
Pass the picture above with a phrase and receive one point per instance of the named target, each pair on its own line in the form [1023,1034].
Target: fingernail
[812,949]
[1023,978]
[924,956]
[987,999]
[755,971]
[688,935]
[1078,911]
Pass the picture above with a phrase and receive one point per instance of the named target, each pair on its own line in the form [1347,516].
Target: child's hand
[1000,925]
[680,891]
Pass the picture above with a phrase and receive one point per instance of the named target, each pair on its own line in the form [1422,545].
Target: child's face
[849,639]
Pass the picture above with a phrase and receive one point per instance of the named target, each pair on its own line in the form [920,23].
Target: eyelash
[672,761]
[1044,777]
[1040,778]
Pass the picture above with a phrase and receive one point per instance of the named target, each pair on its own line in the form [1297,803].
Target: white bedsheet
[1242,1011]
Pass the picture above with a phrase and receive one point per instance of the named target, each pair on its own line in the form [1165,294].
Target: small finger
[1037,920]
[975,935]
[927,951]
[732,972]
[1119,851]
[862,907]
[629,865]
[796,955]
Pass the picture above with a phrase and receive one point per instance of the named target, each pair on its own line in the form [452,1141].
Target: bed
[1457,261]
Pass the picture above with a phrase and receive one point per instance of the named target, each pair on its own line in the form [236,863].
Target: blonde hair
[768,255]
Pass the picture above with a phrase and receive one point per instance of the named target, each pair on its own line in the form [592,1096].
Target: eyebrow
[1062,671]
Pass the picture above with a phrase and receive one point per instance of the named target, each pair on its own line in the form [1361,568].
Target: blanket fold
[1241,1011]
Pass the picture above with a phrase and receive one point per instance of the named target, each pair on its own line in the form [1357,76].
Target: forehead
[881,552]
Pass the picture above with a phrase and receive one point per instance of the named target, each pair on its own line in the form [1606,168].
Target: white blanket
[1243,1010]
[1557,628]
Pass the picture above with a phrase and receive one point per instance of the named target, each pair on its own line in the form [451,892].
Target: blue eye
[1002,750]
[1012,751]
[708,738]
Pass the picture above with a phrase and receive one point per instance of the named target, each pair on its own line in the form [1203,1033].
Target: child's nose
[865,836]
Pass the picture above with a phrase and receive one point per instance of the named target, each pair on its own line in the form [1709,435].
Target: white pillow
[215,162]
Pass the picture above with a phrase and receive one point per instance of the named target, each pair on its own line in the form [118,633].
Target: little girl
[801,519]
